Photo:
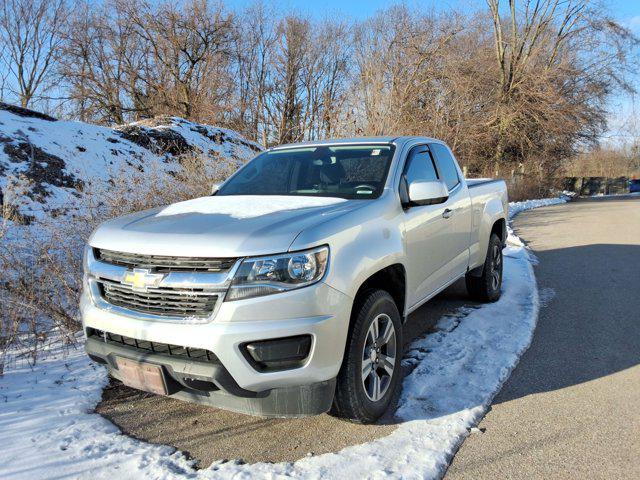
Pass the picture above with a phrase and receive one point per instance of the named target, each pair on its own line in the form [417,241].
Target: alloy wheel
[496,267]
[379,357]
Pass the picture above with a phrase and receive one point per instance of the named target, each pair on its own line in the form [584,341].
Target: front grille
[170,302]
[144,346]
[164,264]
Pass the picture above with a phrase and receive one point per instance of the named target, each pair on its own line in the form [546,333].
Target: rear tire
[486,287]
[370,372]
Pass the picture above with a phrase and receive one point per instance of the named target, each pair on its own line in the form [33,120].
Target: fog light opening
[277,354]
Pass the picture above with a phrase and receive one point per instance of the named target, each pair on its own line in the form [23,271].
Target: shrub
[41,262]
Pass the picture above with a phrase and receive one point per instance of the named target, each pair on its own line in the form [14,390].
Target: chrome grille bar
[160,301]
[179,295]
[163,264]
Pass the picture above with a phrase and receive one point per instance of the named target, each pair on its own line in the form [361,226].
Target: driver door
[426,232]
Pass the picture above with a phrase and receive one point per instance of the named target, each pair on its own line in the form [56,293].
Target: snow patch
[517,207]
[246,206]
[546,296]
[49,430]
[65,159]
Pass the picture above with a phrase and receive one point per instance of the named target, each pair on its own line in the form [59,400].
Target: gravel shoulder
[570,408]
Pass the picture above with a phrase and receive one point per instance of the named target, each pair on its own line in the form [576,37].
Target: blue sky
[623,10]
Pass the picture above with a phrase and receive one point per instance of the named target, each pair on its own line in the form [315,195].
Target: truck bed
[474,182]
[488,197]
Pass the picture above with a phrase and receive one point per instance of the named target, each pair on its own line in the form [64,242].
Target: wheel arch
[391,279]
[500,228]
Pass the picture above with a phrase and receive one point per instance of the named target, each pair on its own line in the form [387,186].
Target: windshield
[346,171]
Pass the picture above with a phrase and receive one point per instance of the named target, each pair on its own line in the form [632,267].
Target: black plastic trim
[177,369]
[291,402]
[277,354]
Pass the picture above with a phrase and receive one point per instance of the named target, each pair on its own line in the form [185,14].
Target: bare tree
[4,72]
[557,62]
[521,86]
[402,83]
[137,59]
[31,31]
[254,43]
[285,105]
[291,75]
[103,62]
[190,50]
[324,77]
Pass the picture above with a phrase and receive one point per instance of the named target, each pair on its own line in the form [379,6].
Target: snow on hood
[225,226]
[246,206]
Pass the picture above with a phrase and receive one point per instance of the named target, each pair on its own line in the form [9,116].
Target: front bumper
[319,311]
[303,400]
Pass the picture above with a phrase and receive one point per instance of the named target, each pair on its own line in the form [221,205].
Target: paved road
[208,434]
[571,409]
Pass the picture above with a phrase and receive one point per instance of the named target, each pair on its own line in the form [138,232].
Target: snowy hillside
[56,161]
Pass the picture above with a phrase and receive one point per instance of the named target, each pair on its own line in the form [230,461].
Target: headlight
[278,273]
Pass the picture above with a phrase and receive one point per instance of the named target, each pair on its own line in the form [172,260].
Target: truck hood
[225,226]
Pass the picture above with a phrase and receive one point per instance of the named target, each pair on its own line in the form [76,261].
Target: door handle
[447,213]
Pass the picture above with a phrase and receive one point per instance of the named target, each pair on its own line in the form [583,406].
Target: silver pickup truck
[285,292]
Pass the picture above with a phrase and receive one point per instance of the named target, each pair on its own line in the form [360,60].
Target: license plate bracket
[142,376]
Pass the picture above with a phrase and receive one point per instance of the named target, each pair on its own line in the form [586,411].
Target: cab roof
[358,140]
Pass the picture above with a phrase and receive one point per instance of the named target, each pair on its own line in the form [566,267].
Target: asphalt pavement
[571,409]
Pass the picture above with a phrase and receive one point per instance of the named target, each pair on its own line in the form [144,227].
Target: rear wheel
[370,373]
[486,287]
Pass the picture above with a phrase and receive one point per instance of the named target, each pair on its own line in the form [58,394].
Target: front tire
[370,373]
[487,287]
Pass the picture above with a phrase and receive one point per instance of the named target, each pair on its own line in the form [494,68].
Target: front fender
[361,243]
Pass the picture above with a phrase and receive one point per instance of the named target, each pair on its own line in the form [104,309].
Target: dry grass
[41,263]
[533,178]
[605,163]
[529,188]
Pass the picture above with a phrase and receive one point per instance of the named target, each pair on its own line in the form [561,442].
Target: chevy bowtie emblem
[141,279]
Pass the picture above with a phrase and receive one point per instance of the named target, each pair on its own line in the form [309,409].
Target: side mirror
[428,193]
[214,188]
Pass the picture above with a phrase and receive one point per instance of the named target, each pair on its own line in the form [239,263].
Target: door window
[420,166]
[446,165]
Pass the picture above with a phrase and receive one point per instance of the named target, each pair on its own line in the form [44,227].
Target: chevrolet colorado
[285,292]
